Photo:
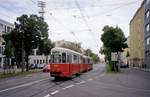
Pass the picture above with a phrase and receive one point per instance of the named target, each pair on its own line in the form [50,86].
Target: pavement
[143,69]
[95,83]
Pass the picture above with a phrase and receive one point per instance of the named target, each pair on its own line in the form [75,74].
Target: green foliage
[95,57]
[15,38]
[30,29]
[9,50]
[34,30]
[18,73]
[113,41]
[46,46]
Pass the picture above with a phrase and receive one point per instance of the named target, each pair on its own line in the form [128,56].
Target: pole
[23,56]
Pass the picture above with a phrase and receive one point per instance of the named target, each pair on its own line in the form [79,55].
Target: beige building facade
[137,40]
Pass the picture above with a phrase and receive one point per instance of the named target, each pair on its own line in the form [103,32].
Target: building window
[147,14]
[43,61]
[40,61]
[37,61]
[147,53]
[147,2]
[147,27]
[147,41]
[38,52]
[1,25]
[0,50]
[34,61]
[49,61]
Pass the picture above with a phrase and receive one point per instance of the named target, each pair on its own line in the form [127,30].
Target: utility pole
[41,4]
[23,56]
[23,52]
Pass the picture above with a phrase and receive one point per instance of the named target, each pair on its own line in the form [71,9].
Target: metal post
[23,56]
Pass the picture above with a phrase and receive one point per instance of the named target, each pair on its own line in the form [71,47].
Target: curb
[146,70]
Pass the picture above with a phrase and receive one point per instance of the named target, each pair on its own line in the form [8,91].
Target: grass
[18,73]
[108,70]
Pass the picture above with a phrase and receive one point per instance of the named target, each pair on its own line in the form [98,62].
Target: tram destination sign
[114,56]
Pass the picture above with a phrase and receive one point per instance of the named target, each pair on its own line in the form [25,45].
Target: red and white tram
[66,62]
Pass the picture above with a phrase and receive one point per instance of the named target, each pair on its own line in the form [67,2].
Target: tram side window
[68,59]
[56,58]
[75,59]
[88,60]
[83,60]
[63,57]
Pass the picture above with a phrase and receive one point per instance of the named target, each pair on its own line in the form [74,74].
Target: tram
[66,62]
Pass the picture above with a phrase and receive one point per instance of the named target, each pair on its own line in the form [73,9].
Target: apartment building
[5,27]
[147,32]
[137,40]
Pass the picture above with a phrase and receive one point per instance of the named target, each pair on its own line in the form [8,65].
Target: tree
[95,57]
[45,48]
[113,41]
[33,30]
[9,51]
[15,38]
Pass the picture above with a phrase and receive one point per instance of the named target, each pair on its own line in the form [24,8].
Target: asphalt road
[95,83]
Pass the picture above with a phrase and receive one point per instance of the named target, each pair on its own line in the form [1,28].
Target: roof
[68,50]
[6,23]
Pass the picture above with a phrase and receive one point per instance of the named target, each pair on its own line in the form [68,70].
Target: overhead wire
[84,19]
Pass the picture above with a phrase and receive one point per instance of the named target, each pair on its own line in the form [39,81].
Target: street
[95,83]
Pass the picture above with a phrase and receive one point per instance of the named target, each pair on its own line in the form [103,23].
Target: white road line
[53,93]
[80,82]
[23,85]
[47,95]
[102,75]
[68,86]
[90,79]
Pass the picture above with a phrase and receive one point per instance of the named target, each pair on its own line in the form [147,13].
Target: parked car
[46,68]
[33,66]
[123,65]
[41,66]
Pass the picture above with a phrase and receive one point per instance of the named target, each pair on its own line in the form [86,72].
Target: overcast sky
[76,20]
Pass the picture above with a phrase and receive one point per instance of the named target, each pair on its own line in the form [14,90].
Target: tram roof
[68,51]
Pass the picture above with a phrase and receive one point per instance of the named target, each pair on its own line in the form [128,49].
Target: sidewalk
[12,70]
[143,69]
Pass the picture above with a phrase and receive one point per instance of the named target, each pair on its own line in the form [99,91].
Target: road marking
[23,85]
[90,79]
[96,77]
[53,93]
[68,86]
[47,95]
[80,82]
[102,75]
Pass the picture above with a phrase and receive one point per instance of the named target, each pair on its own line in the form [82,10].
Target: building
[147,32]
[5,27]
[137,40]
[38,58]
[70,45]
[125,55]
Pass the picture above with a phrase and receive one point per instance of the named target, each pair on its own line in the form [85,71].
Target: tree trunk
[27,63]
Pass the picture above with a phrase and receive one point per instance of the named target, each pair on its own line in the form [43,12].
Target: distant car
[123,65]
[46,68]
[33,66]
[41,66]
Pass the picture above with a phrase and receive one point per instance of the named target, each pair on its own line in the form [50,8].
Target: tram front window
[56,58]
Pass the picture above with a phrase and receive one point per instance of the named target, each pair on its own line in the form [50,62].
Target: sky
[76,20]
